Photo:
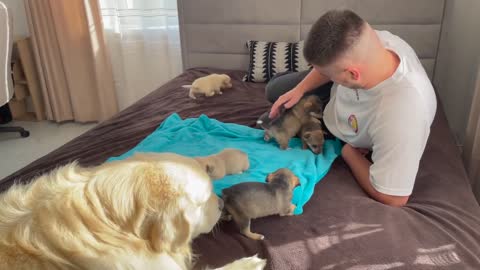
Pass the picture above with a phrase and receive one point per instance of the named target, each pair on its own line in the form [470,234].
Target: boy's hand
[287,100]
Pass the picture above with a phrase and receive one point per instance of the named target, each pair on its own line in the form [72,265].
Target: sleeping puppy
[312,135]
[249,200]
[209,85]
[289,122]
[138,213]
[228,161]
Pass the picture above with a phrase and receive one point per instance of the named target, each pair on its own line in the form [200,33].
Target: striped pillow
[270,58]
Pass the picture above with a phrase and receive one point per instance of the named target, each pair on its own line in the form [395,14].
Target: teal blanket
[204,136]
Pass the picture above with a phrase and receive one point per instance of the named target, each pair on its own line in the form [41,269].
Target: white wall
[458,61]
[17,10]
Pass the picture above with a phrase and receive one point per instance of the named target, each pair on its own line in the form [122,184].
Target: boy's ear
[354,73]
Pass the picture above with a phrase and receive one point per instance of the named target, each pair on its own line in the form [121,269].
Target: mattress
[341,227]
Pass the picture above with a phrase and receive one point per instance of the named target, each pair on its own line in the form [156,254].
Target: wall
[17,10]
[458,61]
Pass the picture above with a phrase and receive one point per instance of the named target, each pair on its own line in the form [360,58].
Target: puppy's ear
[307,135]
[317,116]
[308,105]
[209,168]
[296,182]
[270,178]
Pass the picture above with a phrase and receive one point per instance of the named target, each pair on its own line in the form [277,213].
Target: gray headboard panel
[214,32]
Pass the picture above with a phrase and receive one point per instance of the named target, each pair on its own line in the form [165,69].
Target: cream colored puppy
[139,213]
[209,85]
[228,161]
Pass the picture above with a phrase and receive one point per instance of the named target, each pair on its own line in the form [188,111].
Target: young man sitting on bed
[381,100]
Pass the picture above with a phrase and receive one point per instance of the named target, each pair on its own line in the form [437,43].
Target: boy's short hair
[331,36]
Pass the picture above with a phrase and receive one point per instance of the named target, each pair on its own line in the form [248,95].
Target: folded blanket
[204,136]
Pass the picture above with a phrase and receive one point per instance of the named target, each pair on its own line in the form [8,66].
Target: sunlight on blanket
[349,231]
[440,256]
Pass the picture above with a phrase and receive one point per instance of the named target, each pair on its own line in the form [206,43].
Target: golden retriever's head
[165,199]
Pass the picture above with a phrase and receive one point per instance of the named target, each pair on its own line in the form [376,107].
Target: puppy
[289,122]
[249,200]
[312,135]
[139,213]
[209,85]
[228,161]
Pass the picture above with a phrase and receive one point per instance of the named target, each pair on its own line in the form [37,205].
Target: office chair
[6,84]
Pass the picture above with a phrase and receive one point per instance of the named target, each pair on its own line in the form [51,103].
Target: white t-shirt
[393,119]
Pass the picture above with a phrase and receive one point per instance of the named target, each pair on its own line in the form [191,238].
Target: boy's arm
[399,134]
[360,167]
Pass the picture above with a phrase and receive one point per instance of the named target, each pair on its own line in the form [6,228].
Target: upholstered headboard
[214,32]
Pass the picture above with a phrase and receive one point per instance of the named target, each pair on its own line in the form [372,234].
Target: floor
[17,152]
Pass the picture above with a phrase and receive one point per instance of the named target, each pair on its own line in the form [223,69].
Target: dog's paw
[248,263]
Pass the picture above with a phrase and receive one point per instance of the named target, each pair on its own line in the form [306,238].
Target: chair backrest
[6,43]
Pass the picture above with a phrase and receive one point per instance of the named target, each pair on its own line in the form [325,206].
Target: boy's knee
[270,93]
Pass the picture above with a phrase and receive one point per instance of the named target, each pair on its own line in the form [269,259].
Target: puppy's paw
[292,209]
[248,263]
[226,217]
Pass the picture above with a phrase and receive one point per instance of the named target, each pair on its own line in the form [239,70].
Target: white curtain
[144,43]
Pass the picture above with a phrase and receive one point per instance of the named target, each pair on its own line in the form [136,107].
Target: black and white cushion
[270,58]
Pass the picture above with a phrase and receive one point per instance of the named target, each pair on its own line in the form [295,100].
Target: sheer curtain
[74,70]
[144,43]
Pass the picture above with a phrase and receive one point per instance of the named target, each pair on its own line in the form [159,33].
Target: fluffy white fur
[209,85]
[139,213]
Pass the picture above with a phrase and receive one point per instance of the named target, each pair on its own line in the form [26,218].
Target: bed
[341,227]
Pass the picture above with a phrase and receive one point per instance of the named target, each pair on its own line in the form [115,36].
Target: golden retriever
[139,213]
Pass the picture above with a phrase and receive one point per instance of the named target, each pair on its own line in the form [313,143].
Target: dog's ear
[270,178]
[170,233]
[307,135]
[183,232]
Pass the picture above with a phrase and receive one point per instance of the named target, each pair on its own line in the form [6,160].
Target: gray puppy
[289,122]
[249,200]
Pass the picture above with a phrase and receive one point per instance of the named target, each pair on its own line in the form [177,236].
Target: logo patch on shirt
[352,121]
